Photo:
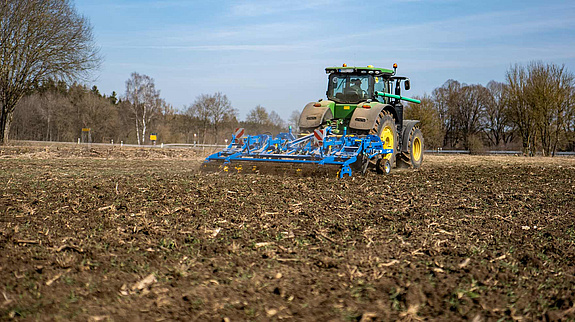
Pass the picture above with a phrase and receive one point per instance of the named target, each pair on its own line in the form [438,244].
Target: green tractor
[360,102]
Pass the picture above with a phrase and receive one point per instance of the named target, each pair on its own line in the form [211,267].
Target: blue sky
[273,53]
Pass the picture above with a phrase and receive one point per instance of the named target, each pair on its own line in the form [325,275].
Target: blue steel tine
[343,150]
[261,148]
[240,152]
[344,170]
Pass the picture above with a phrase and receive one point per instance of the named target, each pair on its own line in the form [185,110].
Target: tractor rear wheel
[386,130]
[414,155]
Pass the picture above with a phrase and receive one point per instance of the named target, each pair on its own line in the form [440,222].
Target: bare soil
[132,234]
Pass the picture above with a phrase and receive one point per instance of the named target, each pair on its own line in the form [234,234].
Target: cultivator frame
[319,148]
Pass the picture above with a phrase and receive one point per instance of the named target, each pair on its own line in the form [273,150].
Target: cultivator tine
[317,151]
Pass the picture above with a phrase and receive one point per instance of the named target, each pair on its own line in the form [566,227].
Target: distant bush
[475,144]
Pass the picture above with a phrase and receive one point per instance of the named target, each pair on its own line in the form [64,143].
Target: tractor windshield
[349,88]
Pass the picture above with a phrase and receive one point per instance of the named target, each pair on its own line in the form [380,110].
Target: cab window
[348,88]
[381,85]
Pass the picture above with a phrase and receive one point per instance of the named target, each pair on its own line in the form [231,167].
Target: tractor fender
[364,118]
[408,125]
[313,116]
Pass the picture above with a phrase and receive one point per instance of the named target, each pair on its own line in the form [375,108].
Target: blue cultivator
[319,148]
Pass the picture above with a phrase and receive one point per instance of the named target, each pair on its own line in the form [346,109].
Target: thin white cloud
[426,1]
[231,47]
[155,4]
[262,31]
[256,8]
[463,30]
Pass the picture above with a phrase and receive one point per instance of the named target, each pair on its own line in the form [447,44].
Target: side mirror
[406,85]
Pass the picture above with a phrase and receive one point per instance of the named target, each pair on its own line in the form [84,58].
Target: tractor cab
[352,85]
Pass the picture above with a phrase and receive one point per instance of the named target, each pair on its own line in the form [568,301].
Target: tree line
[57,112]
[532,110]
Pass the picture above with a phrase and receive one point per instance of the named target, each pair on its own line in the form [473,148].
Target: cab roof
[359,70]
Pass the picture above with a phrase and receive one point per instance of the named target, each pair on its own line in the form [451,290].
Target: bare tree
[98,114]
[497,126]
[212,111]
[258,115]
[145,102]
[221,112]
[430,121]
[200,110]
[445,97]
[293,120]
[259,120]
[540,101]
[276,120]
[469,111]
[549,96]
[48,104]
[521,115]
[461,107]
[570,122]
[28,122]
[169,125]
[38,40]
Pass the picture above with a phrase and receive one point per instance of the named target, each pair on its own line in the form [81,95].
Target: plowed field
[144,235]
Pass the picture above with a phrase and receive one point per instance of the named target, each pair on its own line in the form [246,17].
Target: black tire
[386,166]
[386,130]
[383,166]
[415,147]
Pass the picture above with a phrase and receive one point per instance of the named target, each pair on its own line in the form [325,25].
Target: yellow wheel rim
[416,149]
[387,139]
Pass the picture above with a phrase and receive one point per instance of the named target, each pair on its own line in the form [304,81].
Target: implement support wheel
[386,166]
[414,155]
[386,129]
